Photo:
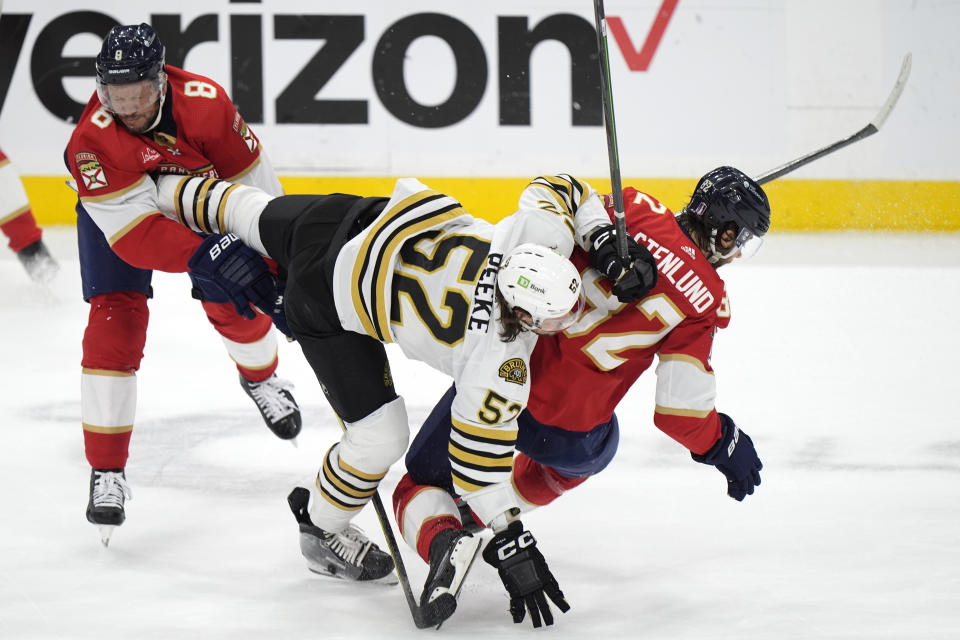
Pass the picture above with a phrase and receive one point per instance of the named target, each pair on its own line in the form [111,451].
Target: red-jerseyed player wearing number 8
[149,117]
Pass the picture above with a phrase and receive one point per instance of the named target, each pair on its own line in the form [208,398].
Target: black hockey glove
[631,281]
[735,457]
[227,270]
[525,574]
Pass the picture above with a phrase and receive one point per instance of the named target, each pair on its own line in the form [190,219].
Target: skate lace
[271,399]
[110,489]
[350,545]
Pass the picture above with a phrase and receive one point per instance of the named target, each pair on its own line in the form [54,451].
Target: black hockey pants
[304,234]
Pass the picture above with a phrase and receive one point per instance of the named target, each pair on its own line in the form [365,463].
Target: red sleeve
[691,343]
[159,243]
[226,139]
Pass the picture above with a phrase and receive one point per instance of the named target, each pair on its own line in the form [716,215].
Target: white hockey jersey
[423,275]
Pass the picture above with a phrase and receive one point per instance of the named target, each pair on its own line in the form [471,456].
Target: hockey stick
[609,125]
[868,130]
[415,611]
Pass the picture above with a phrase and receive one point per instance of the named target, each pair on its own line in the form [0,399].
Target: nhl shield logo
[514,370]
[91,171]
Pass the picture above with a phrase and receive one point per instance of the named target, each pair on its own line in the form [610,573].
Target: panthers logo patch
[514,370]
[91,171]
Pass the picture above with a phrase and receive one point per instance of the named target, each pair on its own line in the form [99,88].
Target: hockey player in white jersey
[463,295]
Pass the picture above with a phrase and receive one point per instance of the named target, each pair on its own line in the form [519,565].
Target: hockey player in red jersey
[562,442]
[24,237]
[148,117]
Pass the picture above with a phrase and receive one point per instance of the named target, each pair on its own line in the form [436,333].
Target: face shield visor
[132,97]
[746,245]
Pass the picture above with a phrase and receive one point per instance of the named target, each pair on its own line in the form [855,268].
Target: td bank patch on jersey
[514,370]
[91,171]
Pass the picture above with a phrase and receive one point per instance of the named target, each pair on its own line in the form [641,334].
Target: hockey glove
[524,572]
[632,281]
[735,457]
[227,270]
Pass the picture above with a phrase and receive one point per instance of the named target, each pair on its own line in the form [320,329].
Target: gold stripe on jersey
[177,198]
[114,194]
[568,194]
[683,413]
[250,168]
[14,214]
[221,209]
[372,313]
[369,477]
[682,357]
[130,225]
[107,372]
[479,456]
[493,462]
[462,485]
[200,202]
[124,428]
[472,431]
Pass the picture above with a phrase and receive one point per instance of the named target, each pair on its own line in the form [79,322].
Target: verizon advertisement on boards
[512,88]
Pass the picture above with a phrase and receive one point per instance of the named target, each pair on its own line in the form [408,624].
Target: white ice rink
[841,362]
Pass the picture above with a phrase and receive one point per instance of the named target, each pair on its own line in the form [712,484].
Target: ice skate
[348,555]
[452,553]
[276,405]
[108,491]
[40,265]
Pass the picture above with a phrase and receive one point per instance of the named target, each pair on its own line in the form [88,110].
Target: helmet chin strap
[156,121]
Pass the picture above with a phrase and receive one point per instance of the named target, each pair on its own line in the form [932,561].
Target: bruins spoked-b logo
[514,370]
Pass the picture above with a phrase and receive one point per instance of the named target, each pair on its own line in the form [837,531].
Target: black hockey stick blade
[868,130]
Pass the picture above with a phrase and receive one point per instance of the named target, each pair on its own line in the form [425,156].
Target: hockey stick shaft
[867,131]
[394,548]
[609,125]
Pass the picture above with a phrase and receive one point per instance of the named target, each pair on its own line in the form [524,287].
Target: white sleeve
[560,211]
[262,176]
[119,212]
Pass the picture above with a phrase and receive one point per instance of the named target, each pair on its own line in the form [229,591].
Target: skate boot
[348,555]
[276,405]
[452,553]
[108,491]
[36,259]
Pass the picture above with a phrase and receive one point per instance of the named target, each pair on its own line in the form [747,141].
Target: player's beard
[141,121]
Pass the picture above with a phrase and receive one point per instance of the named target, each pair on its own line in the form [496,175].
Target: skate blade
[465,553]
[106,530]
[390,579]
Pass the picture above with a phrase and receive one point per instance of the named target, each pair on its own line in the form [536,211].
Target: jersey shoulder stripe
[372,271]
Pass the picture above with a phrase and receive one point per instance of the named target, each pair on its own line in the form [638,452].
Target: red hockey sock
[539,484]
[22,230]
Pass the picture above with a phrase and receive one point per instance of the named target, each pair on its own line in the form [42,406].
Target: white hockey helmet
[543,283]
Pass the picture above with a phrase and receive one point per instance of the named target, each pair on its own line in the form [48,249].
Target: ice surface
[841,363]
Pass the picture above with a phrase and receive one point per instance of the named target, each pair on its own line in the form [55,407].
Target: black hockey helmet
[726,198]
[131,53]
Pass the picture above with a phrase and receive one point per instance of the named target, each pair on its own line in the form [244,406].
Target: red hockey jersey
[601,356]
[200,133]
